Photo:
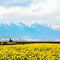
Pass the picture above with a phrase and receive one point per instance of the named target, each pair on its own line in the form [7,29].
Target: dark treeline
[14,43]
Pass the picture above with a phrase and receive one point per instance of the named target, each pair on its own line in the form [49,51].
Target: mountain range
[35,31]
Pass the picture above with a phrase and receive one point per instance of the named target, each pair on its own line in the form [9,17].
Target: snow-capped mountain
[36,31]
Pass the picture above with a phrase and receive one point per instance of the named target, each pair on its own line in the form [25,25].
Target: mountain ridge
[36,31]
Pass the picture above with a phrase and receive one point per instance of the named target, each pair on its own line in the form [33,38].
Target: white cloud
[42,11]
[56,27]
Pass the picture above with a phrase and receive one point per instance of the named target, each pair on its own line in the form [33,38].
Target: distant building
[10,40]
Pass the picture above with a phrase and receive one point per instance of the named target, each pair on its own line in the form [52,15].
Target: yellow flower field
[41,51]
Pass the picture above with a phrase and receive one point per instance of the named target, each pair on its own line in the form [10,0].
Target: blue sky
[19,2]
[46,12]
[10,3]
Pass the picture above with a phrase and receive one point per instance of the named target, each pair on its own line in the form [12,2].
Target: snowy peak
[40,27]
[36,25]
